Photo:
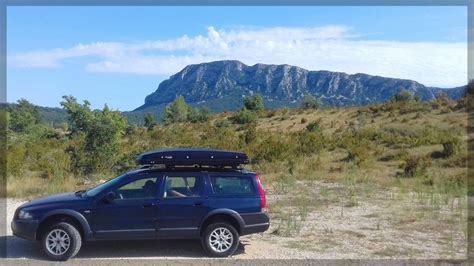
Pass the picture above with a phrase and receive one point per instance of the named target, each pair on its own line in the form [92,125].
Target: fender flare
[78,216]
[230,212]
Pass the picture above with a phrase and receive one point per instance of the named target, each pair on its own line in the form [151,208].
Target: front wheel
[220,239]
[61,241]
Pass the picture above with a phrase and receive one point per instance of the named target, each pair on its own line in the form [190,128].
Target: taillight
[263,198]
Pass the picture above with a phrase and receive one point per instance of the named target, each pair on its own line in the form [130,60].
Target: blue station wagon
[177,194]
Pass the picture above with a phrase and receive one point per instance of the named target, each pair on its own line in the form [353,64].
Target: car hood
[58,198]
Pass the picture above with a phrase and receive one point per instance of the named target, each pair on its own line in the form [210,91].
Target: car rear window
[232,184]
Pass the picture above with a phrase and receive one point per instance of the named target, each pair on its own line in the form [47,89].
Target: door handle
[198,203]
[149,204]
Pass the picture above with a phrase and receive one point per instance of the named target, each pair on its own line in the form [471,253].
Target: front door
[182,206]
[132,214]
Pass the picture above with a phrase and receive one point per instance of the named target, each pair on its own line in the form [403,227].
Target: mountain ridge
[227,81]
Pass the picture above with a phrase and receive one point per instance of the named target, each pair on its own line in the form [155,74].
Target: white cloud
[334,48]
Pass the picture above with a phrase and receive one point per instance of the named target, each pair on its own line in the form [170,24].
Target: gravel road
[328,226]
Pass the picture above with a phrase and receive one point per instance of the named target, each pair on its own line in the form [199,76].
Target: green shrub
[309,142]
[250,134]
[310,102]
[198,115]
[403,96]
[314,126]
[451,147]
[254,103]
[272,148]
[244,116]
[222,123]
[358,153]
[416,166]
[150,121]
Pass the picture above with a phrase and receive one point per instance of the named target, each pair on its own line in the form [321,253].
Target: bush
[198,115]
[303,120]
[273,148]
[441,100]
[250,134]
[150,121]
[403,96]
[222,123]
[310,102]
[416,166]
[309,142]
[244,116]
[254,103]
[357,144]
[357,153]
[314,126]
[451,147]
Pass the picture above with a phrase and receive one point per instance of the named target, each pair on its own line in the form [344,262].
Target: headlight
[24,215]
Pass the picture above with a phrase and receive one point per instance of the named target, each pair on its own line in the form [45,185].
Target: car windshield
[96,190]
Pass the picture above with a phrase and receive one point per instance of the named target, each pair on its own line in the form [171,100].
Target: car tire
[218,234]
[61,241]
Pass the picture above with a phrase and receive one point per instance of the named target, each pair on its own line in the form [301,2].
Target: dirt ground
[384,226]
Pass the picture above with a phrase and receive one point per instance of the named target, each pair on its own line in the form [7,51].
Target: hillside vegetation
[382,181]
[403,142]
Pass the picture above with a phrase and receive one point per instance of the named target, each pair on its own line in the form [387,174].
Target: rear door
[182,205]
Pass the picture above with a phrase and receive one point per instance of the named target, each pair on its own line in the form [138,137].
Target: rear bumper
[25,228]
[255,223]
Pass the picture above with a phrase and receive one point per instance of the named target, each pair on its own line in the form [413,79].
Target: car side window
[183,186]
[232,185]
[144,188]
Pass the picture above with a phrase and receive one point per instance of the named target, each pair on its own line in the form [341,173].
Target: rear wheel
[220,239]
[61,241]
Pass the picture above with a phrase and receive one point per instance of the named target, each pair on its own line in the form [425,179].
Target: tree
[254,103]
[150,121]
[95,135]
[177,111]
[80,116]
[403,96]
[441,99]
[23,115]
[310,102]
[196,115]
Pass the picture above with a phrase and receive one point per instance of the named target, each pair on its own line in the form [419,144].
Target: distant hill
[221,85]
[52,115]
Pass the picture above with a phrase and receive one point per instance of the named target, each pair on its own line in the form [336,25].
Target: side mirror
[110,197]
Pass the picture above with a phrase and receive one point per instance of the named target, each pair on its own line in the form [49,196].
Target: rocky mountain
[221,85]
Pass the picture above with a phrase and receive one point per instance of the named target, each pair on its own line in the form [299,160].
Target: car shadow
[17,248]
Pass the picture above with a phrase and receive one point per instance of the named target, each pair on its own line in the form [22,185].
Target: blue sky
[118,55]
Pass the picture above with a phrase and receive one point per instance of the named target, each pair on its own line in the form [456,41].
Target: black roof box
[193,156]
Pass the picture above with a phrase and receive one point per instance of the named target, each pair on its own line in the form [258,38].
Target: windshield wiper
[80,192]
